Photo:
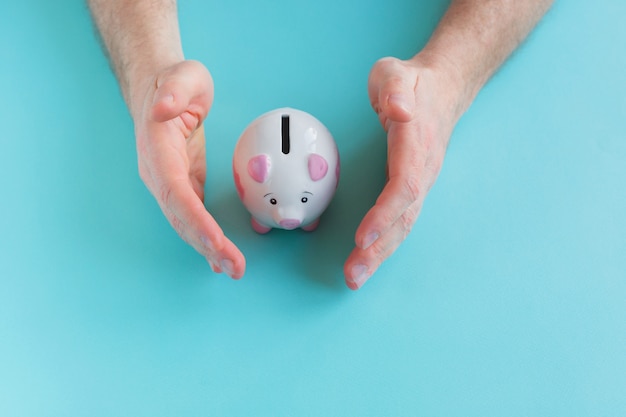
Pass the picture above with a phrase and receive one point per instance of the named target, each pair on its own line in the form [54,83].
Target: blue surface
[508,298]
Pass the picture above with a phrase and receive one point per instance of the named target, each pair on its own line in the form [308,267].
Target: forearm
[141,38]
[476,36]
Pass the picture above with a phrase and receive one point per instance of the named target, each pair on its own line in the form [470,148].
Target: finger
[196,226]
[391,88]
[363,263]
[186,87]
[406,184]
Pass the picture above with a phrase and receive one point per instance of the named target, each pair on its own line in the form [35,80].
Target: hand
[171,151]
[416,105]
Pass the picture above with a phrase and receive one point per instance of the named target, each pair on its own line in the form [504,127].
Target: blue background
[507,299]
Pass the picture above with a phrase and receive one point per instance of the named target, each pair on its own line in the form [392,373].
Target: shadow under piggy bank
[317,256]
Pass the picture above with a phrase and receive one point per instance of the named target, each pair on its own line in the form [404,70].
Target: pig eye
[304,199]
[273,201]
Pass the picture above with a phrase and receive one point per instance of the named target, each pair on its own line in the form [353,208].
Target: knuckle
[394,83]
[178,226]
[383,214]
[378,252]
[383,67]
[388,62]
[408,220]
[165,195]
[390,68]
[412,188]
[388,217]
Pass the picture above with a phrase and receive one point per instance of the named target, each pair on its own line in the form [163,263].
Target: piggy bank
[286,170]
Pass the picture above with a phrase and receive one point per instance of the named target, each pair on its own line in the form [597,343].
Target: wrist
[455,95]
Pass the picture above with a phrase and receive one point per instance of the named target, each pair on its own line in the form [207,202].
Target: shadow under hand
[362,179]
[319,255]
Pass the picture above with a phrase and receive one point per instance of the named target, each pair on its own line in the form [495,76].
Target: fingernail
[369,239]
[359,276]
[400,101]
[228,267]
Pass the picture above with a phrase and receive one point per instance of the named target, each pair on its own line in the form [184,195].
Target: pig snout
[289,224]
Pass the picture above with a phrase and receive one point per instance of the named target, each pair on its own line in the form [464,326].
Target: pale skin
[418,102]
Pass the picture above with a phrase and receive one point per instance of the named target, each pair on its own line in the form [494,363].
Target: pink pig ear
[259,168]
[318,167]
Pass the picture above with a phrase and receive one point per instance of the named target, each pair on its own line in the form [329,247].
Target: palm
[171,151]
[196,165]
[408,100]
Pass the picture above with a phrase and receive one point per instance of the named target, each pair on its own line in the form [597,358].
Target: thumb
[186,86]
[392,90]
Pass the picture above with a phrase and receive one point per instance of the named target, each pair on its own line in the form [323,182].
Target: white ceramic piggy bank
[286,169]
